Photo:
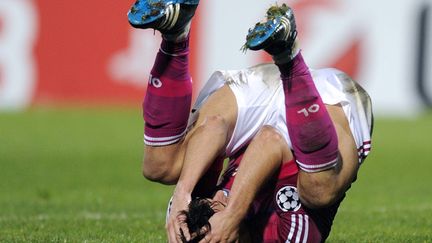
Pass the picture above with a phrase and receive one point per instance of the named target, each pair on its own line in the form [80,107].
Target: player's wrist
[237,212]
[183,191]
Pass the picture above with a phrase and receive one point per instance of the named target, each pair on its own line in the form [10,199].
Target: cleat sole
[146,12]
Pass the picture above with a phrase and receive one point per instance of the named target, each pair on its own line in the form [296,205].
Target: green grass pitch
[74,175]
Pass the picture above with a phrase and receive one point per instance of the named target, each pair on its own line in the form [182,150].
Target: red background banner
[85,52]
[75,41]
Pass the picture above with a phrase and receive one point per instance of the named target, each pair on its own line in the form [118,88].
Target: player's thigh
[348,156]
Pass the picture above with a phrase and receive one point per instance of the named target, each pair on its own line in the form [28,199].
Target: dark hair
[197,219]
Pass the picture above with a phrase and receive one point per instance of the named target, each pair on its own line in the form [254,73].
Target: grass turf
[73,175]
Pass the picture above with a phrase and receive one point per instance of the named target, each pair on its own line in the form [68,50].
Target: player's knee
[153,171]
[157,171]
[270,134]
[316,194]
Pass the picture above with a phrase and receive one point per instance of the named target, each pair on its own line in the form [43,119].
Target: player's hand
[224,228]
[175,223]
[220,200]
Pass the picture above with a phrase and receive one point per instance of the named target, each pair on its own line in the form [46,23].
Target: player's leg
[323,188]
[168,98]
[323,146]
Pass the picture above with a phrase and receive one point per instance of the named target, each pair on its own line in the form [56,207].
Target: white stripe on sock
[161,143]
[159,139]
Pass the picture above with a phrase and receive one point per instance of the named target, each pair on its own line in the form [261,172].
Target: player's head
[197,218]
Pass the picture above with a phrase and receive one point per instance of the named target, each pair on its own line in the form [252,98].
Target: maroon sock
[168,99]
[310,127]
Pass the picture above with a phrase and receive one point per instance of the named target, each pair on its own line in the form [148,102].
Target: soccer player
[324,129]
[263,204]
[275,214]
[328,139]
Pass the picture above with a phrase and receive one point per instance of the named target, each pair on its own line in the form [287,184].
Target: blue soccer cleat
[275,35]
[167,16]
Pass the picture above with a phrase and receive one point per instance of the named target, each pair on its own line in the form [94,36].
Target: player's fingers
[232,239]
[182,227]
[214,239]
[171,231]
[204,230]
[183,233]
[219,196]
[169,235]
[172,237]
[205,239]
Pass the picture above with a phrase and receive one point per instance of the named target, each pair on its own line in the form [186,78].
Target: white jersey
[261,101]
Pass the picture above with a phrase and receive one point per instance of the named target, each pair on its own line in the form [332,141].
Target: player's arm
[261,160]
[203,145]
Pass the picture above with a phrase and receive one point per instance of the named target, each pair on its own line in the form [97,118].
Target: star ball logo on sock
[287,199]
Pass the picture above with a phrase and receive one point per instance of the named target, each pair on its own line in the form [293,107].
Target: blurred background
[72,79]
[54,52]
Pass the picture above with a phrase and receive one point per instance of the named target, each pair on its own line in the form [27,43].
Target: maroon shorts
[277,214]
